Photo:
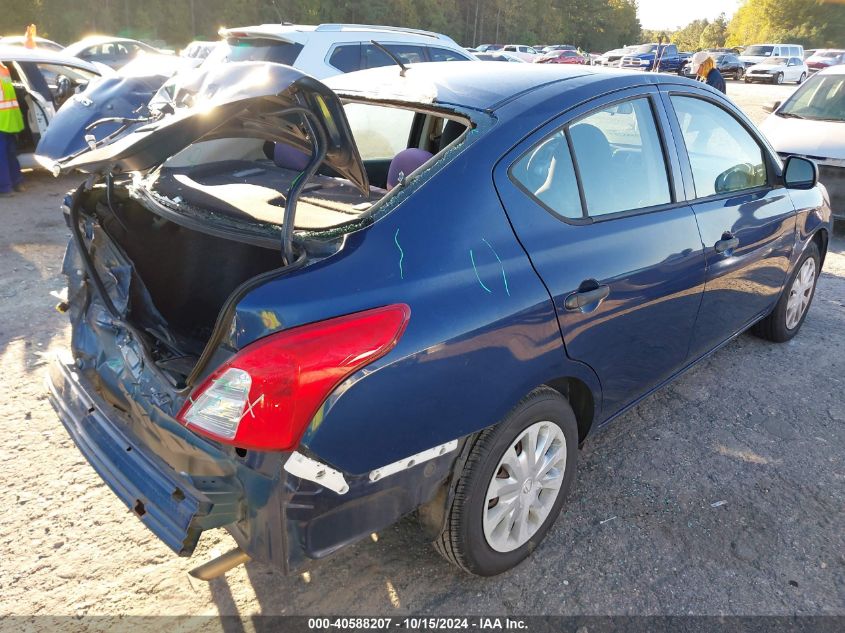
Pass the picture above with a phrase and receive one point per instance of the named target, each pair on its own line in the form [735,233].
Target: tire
[738,75]
[464,540]
[779,78]
[802,78]
[780,326]
[747,80]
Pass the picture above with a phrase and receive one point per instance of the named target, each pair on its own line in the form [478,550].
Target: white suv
[332,49]
[758,53]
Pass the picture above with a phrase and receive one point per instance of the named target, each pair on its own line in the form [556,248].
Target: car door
[594,198]
[747,221]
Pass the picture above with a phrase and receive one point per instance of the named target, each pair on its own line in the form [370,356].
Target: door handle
[583,298]
[727,243]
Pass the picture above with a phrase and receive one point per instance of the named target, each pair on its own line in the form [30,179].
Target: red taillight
[268,393]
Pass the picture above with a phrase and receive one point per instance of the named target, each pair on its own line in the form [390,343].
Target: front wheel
[791,309]
[779,78]
[802,78]
[738,74]
[512,486]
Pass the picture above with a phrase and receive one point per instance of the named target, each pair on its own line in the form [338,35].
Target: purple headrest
[290,157]
[404,163]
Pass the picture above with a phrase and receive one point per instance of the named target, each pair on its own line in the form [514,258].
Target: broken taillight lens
[266,395]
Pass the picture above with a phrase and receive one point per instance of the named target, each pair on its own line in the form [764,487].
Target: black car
[728,64]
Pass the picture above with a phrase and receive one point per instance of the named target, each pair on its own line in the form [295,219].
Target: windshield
[645,48]
[248,49]
[822,98]
[828,54]
[759,51]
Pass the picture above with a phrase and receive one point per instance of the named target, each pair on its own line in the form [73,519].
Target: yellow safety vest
[11,119]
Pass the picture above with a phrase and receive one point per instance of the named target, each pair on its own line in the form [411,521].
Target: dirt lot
[722,494]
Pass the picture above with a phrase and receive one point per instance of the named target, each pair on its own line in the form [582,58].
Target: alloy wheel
[525,486]
[800,293]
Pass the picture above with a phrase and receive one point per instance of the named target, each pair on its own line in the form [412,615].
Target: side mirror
[772,107]
[800,173]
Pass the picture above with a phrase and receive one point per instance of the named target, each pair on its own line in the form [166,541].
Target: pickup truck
[643,56]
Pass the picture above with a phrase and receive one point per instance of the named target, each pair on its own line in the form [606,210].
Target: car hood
[819,139]
[235,100]
[767,66]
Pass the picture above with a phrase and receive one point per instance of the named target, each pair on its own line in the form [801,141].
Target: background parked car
[111,51]
[561,57]
[499,56]
[728,64]
[758,53]
[825,58]
[613,58]
[647,56]
[331,49]
[777,70]
[486,48]
[44,80]
[198,49]
[520,50]
[40,42]
[811,123]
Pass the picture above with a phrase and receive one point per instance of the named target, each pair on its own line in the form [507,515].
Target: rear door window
[437,54]
[608,161]
[408,53]
[346,57]
[723,155]
[620,159]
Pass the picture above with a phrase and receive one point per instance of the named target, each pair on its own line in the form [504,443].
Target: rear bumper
[179,486]
[169,503]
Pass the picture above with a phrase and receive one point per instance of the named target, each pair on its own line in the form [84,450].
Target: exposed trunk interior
[188,274]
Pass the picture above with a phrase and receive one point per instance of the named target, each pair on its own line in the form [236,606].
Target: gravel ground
[724,493]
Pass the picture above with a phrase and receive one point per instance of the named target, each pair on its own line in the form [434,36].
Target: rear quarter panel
[482,332]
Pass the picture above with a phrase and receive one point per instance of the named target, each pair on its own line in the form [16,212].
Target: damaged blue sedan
[302,310]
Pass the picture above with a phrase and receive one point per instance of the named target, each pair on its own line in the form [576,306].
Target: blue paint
[401,254]
[504,276]
[475,268]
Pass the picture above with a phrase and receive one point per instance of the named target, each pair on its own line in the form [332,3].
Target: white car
[43,81]
[758,53]
[778,70]
[525,53]
[332,49]
[811,123]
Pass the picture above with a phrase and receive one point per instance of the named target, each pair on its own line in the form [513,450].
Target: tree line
[811,23]
[591,24]
[594,25]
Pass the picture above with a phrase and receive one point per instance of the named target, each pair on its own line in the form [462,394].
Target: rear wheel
[794,303]
[802,78]
[512,486]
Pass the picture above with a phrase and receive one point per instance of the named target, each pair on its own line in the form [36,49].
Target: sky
[668,14]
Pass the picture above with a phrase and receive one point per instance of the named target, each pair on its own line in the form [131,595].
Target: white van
[757,53]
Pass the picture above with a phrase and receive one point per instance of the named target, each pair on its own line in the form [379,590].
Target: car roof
[15,39]
[93,40]
[482,85]
[42,55]
[277,30]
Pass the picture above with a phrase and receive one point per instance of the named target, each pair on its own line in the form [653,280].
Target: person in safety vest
[11,122]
